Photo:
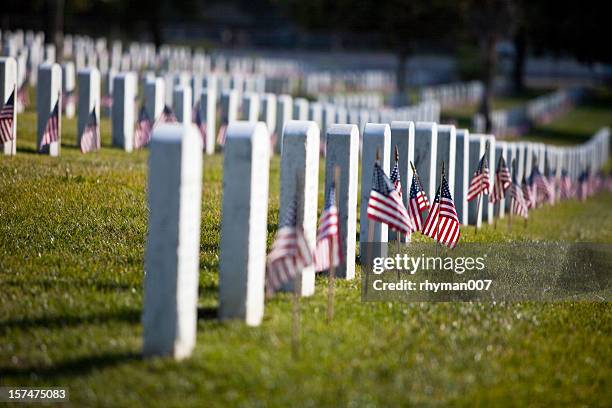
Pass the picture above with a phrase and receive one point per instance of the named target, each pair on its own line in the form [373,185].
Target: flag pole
[332,265]
[480,193]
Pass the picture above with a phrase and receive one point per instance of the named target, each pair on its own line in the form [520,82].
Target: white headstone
[300,109]
[48,90]
[8,86]
[68,88]
[376,137]
[284,113]
[89,98]
[425,151]
[244,222]
[173,243]
[268,112]
[250,107]
[402,136]
[447,153]
[343,151]
[123,115]
[477,149]
[154,97]
[300,170]
[208,112]
[487,207]
[462,175]
[182,103]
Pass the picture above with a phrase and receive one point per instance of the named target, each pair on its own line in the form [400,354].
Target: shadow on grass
[74,367]
[60,321]
[208,313]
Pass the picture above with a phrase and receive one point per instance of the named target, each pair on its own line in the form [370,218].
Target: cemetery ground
[72,240]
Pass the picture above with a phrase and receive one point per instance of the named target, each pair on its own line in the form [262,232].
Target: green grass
[72,239]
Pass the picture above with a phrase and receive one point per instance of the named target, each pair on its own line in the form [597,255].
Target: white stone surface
[402,136]
[477,149]
[123,110]
[48,89]
[300,170]
[376,137]
[343,151]
[462,175]
[8,85]
[447,153]
[250,107]
[89,98]
[425,152]
[244,222]
[173,242]
[208,112]
[284,113]
[181,101]
[154,98]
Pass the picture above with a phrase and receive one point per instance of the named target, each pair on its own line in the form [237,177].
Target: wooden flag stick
[477,212]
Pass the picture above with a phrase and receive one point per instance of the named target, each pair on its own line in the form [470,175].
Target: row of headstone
[174,194]
[454,94]
[518,120]
[368,100]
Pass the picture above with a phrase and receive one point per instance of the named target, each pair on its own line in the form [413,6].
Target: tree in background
[397,25]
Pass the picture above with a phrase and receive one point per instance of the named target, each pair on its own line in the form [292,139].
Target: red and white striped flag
[544,191]
[583,185]
[290,253]
[6,119]
[386,206]
[565,186]
[480,180]
[107,101]
[166,116]
[417,201]
[142,134]
[221,135]
[503,181]
[442,223]
[51,132]
[328,250]
[90,139]
[529,193]
[395,178]
[519,204]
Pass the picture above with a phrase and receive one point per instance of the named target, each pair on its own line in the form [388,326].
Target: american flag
[503,181]
[565,186]
[519,204]
[544,191]
[529,193]
[395,178]
[417,201]
[142,135]
[107,101]
[289,254]
[480,179]
[386,206]
[197,120]
[442,223]
[90,140]
[166,116]
[6,119]
[23,98]
[221,135]
[583,185]
[51,132]
[328,249]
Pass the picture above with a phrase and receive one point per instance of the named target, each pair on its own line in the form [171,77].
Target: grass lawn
[72,239]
